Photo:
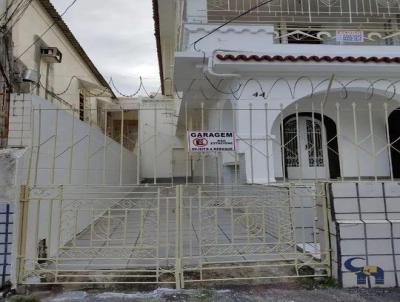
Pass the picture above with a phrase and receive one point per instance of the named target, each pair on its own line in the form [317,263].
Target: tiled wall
[6,236]
[365,233]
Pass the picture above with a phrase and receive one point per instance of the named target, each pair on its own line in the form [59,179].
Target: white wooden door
[306,156]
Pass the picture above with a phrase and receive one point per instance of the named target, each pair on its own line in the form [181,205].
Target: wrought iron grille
[314,146]
[291,144]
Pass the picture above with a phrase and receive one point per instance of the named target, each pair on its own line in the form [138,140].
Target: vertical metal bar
[236,144]
[38,147]
[315,141]
[371,126]
[350,12]
[299,145]
[54,148]
[325,250]
[31,146]
[283,145]
[181,223]
[158,232]
[167,228]
[71,156]
[356,144]
[22,232]
[389,143]
[155,144]
[267,143]
[105,147]
[92,225]
[88,150]
[121,156]
[324,143]
[251,142]
[178,238]
[75,226]
[291,213]
[220,158]
[200,238]
[309,11]
[59,226]
[125,238]
[190,226]
[187,151]
[203,163]
[139,147]
[339,138]
[108,239]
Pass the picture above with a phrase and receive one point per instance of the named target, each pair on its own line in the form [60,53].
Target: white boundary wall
[51,160]
[365,233]
[92,159]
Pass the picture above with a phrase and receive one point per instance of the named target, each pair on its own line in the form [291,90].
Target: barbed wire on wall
[249,89]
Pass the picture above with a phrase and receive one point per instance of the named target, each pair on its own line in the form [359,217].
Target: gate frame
[179,271]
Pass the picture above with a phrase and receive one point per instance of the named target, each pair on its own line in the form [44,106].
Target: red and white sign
[211,141]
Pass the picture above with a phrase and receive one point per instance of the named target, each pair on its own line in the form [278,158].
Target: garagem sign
[211,141]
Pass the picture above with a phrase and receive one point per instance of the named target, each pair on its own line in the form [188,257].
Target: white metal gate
[174,235]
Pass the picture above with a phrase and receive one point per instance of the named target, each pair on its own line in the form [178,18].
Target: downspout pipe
[209,68]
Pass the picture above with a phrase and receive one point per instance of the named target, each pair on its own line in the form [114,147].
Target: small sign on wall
[211,141]
[356,36]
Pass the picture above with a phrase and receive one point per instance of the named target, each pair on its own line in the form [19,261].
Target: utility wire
[230,21]
[46,31]
[21,6]
[4,15]
[19,17]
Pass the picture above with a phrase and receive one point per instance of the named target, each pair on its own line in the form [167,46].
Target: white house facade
[309,87]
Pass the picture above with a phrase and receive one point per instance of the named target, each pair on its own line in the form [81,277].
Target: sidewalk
[253,294]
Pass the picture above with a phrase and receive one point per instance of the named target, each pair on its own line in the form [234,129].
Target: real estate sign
[350,36]
[211,141]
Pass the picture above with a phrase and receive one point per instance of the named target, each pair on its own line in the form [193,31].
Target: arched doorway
[310,149]
[394,133]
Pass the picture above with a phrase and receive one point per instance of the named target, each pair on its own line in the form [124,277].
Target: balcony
[317,21]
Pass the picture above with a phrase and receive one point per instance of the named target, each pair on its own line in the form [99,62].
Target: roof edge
[303,58]
[157,33]
[52,12]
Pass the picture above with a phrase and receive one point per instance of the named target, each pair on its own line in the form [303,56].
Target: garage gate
[172,235]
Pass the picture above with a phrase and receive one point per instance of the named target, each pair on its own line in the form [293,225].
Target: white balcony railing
[378,19]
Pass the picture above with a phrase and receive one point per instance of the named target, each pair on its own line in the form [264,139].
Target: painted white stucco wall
[87,162]
[286,84]
[158,138]
[29,29]
[363,146]
[52,132]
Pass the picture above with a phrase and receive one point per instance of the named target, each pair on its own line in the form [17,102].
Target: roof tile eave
[303,58]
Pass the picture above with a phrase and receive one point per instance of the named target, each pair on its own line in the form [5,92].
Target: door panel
[305,154]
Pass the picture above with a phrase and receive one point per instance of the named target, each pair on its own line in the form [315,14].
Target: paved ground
[254,294]
[139,231]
